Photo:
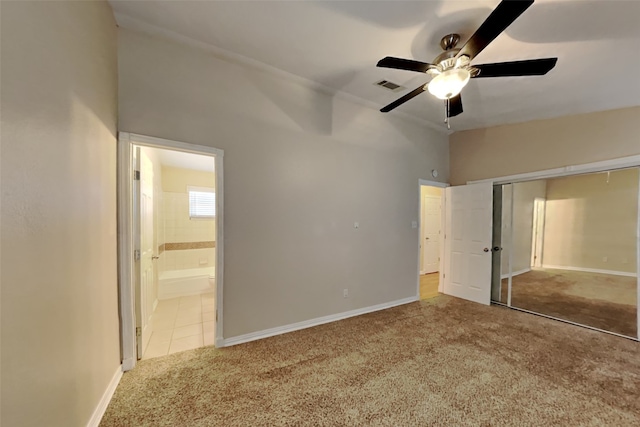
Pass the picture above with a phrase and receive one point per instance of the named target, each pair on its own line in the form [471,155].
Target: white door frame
[126,284]
[537,240]
[426,182]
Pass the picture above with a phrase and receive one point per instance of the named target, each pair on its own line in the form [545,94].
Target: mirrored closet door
[569,248]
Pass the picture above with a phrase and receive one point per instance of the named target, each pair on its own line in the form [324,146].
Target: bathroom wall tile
[182,257]
[170,262]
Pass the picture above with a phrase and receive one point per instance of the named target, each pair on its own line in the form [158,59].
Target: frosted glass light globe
[449,83]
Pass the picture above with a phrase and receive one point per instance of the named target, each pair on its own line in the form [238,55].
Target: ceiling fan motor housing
[448,59]
[449,41]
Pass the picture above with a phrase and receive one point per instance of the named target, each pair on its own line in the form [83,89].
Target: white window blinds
[202,202]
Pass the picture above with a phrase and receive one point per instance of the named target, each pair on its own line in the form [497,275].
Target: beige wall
[524,194]
[301,166]
[60,341]
[543,144]
[177,179]
[590,217]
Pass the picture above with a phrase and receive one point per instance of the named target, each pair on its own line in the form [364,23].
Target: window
[202,202]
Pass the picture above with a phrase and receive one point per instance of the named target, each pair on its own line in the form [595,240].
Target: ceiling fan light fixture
[449,83]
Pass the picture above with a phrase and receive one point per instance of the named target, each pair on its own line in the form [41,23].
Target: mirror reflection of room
[570,245]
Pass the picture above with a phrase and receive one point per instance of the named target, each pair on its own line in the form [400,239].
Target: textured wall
[60,341]
[301,167]
[544,144]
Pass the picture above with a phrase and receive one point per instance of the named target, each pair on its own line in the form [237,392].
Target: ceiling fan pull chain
[447,108]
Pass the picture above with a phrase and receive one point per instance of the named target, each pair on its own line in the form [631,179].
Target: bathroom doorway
[430,239]
[170,221]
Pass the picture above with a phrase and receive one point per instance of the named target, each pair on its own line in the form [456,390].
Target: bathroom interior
[176,286]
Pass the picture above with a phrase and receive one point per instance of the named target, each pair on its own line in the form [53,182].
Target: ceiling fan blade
[404,64]
[532,67]
[503,15]
[403,99]
[454,106]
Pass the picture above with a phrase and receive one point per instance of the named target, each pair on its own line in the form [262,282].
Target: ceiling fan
[452,69]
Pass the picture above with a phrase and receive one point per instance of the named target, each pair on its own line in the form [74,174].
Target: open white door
[468,235]
[144,290]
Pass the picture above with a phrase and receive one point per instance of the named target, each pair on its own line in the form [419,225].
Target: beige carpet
[603,301]
[442,361]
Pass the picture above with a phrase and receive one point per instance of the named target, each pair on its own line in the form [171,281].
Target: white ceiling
[338,43]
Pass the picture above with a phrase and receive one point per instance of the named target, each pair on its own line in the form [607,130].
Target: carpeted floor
[442,361]
[603,301]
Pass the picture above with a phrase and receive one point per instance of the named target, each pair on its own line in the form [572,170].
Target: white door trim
[126,285]
[125,236]
[429,183]
[537,241]
[638,263]
[620,163]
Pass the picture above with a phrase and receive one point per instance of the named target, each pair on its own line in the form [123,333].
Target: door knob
[486,249]
[496,248]
[154,257]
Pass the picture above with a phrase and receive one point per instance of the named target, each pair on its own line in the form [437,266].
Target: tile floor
[180,324]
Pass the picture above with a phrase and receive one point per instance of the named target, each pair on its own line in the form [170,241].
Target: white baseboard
[516,273]
[240,339]
[423,272]
[590,270]
[98,413]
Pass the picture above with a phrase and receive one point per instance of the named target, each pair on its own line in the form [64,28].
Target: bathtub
[191,281]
